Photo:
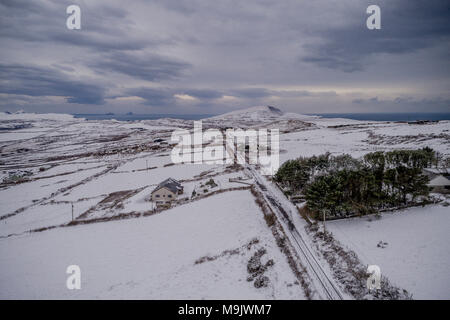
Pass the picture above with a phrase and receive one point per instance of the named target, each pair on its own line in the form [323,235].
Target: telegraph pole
[72,211]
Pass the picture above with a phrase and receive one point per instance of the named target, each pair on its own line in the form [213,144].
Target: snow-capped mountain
[262,116]
[252,113]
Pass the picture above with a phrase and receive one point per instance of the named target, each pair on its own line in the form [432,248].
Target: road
[322,280]
[285,212]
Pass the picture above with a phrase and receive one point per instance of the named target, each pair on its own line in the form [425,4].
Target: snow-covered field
[363,137]
[152,257]
[415,252]
[49,162]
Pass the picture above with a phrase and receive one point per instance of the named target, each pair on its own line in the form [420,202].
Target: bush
[211,183]
[270,219]
[261,281]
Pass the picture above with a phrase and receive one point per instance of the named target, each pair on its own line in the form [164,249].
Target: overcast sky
[214,56]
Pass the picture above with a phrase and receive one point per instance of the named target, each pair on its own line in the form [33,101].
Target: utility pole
[72,211]
[324,230]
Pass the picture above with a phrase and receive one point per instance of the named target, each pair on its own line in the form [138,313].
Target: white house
[166,192]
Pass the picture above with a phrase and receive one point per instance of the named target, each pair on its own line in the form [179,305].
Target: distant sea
[135,117]
[354,116]
[387,116]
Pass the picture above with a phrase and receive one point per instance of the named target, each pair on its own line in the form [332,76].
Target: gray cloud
[251,93]
[400,104]
[165,96]
[304,93]
[149,67]
[103,27]
[38,81]
[406,26]
[259,93]
[303,56]
[153,96]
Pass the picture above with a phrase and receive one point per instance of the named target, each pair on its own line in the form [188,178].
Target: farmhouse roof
[439,181]
[171,184]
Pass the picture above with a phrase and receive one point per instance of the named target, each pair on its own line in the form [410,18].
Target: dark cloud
[406,26]
[164,96]
[39,81]
[149,67]
[156,97]
[103,28]
[300,55]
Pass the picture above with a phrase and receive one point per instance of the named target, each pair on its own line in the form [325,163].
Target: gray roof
[439,181]
[171,184]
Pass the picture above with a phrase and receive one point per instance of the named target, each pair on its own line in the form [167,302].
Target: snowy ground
[417,254]
[363,138]
[152,257]
[49,162]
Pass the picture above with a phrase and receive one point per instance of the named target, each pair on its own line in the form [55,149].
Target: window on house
[170,196]
[157,195]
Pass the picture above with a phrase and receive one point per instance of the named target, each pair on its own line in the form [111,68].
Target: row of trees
[342,185]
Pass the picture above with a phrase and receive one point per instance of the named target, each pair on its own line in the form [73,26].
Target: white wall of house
[163,196]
